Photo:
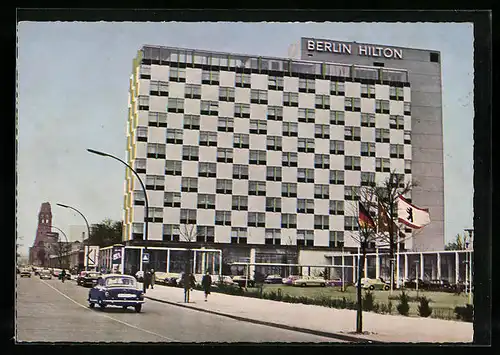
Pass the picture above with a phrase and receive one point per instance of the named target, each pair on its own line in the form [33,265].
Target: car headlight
[106,294]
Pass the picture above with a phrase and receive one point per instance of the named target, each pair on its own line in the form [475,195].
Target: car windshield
[120,281]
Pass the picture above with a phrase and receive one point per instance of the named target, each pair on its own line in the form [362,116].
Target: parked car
[440,285]
[25,272]
[273,279]
[290,279]
[224,279]
[116,290]
[374,284]
[334,282]
[171,279]
[160,277]
[45,274]
[422,285]
[88,278]
[243,281]
[309,281]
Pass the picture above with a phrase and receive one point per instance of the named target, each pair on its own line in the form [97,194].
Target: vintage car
[160,277]
[273,279]
[422,284]
[45,274]
[56,272]
[88,278]
[243,281]
[290,279]
[223,280]
[116,290]
[375,284]
[334,282]
[25,272]
[309,281]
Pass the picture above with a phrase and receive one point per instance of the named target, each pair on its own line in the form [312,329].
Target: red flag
[364,218]
[383,222]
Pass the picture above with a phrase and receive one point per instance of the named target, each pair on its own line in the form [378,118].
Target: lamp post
[65,250]
[60,230]
[88,230]
[416,276]
[146,205]
[471,243]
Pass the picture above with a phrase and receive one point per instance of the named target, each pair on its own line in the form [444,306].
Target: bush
[368,301]
[389,307]
[383,308]
[376,307]
[465,313]
[424,310]
[404,306]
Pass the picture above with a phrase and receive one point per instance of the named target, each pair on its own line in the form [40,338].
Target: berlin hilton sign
[362,49]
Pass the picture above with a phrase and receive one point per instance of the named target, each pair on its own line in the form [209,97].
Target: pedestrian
[147,278]
[152,278]
[63,275]
[206,282]
[186,283]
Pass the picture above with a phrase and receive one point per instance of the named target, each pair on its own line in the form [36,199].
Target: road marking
[106,316]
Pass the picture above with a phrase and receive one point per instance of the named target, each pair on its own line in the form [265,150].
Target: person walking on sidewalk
[152,278]
[206,282]
[147,278]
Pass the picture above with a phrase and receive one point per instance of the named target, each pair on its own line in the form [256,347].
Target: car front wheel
[322,285]
[372,287]
[91,304]
[138,308]
[387,287]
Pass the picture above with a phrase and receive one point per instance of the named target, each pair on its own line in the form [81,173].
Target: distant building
[39,252]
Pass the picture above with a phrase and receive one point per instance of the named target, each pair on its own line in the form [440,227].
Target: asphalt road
[52,311]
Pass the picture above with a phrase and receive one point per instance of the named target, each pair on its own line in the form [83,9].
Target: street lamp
[416,276]
[60,230]
[146,212]
[88,230]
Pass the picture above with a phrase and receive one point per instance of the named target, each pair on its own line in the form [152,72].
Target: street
[52,311]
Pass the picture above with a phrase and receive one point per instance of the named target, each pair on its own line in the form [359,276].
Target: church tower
[42,234]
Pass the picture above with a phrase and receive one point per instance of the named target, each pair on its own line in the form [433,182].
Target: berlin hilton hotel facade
[263,155]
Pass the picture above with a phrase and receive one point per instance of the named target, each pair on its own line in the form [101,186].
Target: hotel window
[273,173]
[323,102]
[321,222]
[336,239]
[305,205]
[306,115]
[210,77]
[157,119]
[208,139]
[240,203]
[337,207]
[407,137]
[171,232]
[273,204]
[242,110]
[172,199]
[407,166]
[350,223]
[224,186]
[273,237]
[367,149]
[352,163]
[337,118]
[155,214]
[337,88]
[205,234]
[322,161]
[382,106]
[241,140]
[139,199]
[321,191]
[383,165]
[368,91]
[143,103]
[207,169]
[224,155]
[174,136]
[275,113]
[274,143]
[206,201]
[289,159]
[396,93]
[382,135]
[173,167]
[351,193]
[407,109]
[290,129]
[305,175]
[178,74]
[257,188]
[258,157]
[189,184]
[352,104]
[142,134]
[158,88]
[307,85]
[238,235]
[192,91]
[305,237]
[258,97]
[242,80]
[367,179]
[288,220]
[225,124]
[289,189]
[337,177]
[191,122]
[258,126]
[397,122]
[140,165]
[156,151]
[210,108]
[188,216]
[223,218]
[190,152]
[275,83]
[367,120]
[175,105]
[155,182]
[240,172]
[400,180]
[352,133]
[306,145]
[397,151]
[322,131]
[256,219]
[337,147]
[145,72]
[291,99]
[226,94]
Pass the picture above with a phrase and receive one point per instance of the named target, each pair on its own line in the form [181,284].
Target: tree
[61,250]
[106,233]
[458,244]
[188,233]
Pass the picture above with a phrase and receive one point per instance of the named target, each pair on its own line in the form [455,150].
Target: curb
[275,325]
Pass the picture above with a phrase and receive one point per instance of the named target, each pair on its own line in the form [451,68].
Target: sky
[73,80]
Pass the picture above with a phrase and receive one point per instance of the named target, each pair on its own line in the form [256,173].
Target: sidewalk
[340,323]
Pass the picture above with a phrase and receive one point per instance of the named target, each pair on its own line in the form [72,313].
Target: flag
[383,222]
[412,216]
[364,218]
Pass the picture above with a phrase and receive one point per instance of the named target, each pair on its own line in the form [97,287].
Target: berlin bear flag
[411,215]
